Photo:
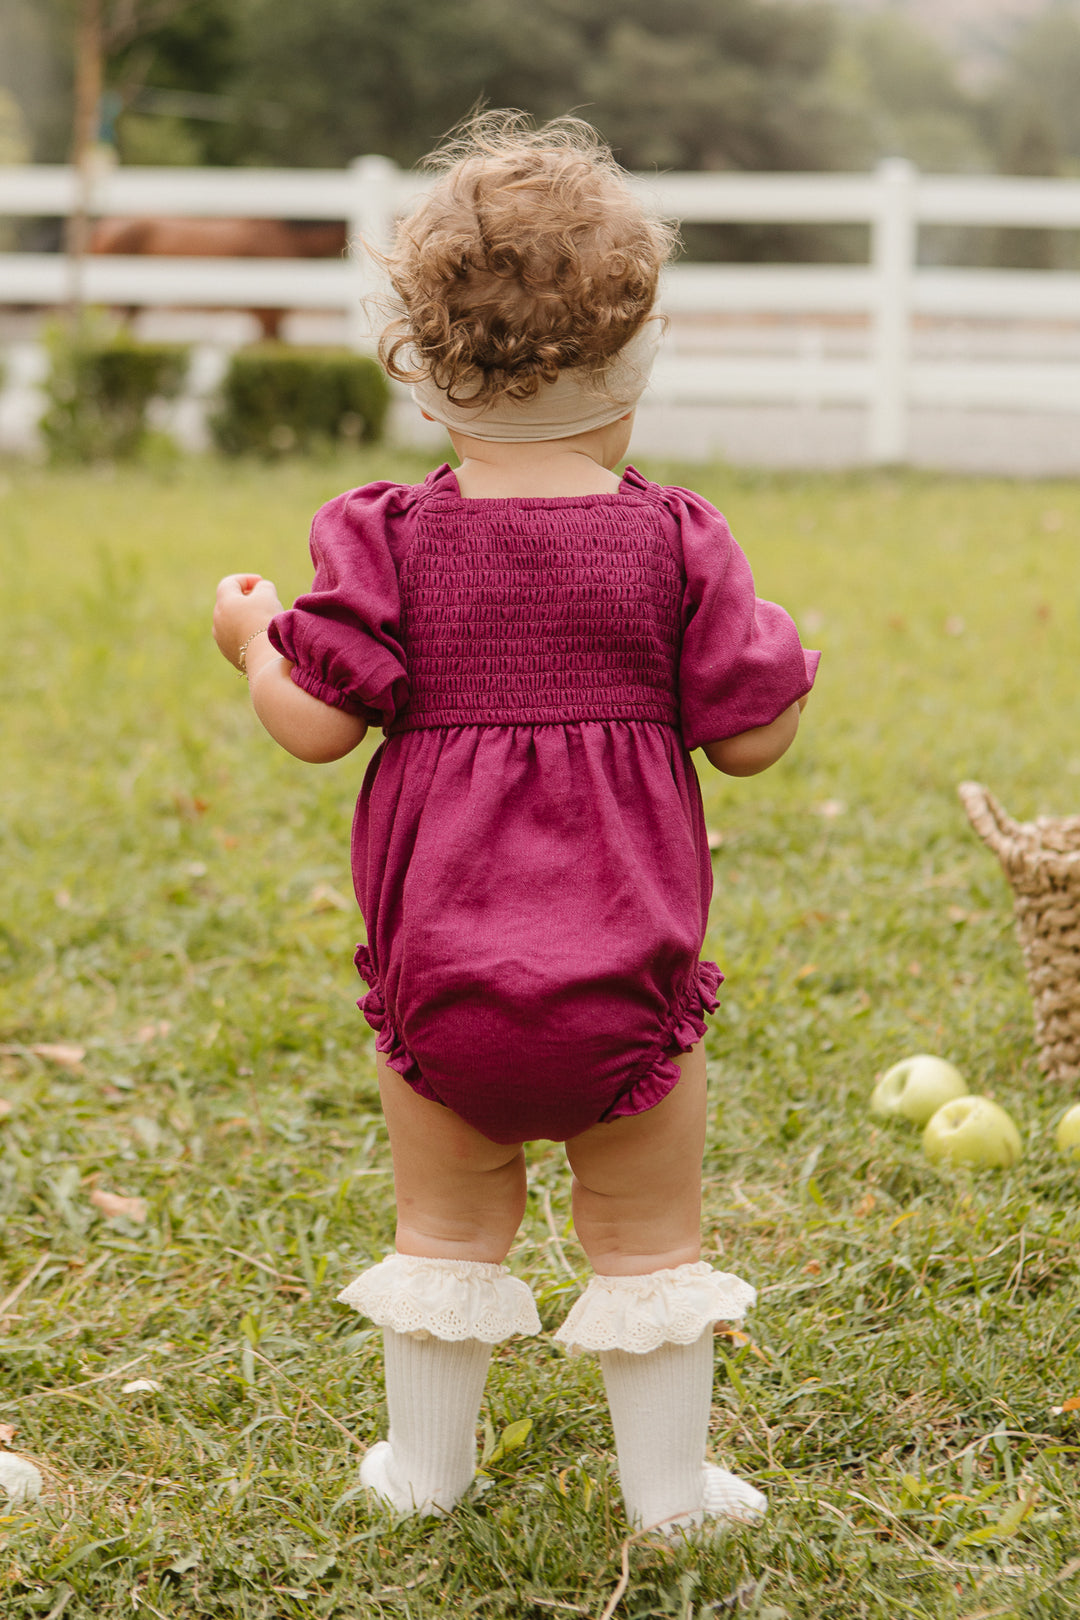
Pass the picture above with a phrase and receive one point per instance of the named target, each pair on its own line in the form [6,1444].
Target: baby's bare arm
[303,725]
[752,751]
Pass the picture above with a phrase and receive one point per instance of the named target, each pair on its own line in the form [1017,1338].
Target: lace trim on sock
[449,1299]
[662,1307]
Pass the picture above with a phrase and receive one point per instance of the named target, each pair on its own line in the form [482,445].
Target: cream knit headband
[576,402]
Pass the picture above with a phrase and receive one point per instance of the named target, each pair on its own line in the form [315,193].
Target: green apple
[972,1130]
[917,1087]
[1067,1135]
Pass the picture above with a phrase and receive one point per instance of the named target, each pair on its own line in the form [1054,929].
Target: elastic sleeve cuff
[308,681]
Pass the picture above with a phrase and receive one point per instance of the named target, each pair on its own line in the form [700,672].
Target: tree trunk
[88,85]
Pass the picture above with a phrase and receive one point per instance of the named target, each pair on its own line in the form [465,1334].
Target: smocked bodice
[536,612]
[536,889]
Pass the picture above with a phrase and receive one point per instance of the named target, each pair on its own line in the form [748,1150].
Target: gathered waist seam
[407,723]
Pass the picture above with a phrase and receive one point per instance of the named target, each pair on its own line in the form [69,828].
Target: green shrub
[276,401]
[100,384]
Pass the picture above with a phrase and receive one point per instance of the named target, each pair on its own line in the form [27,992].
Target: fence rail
[889,294]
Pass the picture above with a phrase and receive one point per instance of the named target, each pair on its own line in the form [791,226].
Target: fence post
[371,221]
[894,242]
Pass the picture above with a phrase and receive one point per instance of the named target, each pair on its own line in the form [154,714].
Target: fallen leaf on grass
[65,1053]
[511,1438]
[1007,1525]
[189,806]
[113,1204]
[740,1341]
[7,1433]
[324,897]
[137,1384]
[1071,1405]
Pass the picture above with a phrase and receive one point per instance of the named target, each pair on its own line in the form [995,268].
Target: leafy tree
[910,95]
[170,65]
[1039,87]
[35,71]
[360,76]
[682,84]
[690,84]
[679,83]
[169,45]
[1027,147]
[1033,121]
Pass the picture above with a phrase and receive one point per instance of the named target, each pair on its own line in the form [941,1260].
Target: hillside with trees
[672,84]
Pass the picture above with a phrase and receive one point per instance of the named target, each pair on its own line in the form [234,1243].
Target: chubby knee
[471,1217]
[622,1241]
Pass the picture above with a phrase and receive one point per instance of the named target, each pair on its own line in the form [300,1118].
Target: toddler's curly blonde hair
[529,255]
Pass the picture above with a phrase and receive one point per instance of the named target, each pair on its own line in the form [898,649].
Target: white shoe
[375,1472]
[727,1501]
[730,1499]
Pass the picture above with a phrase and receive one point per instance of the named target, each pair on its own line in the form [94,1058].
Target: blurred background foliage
[674,84]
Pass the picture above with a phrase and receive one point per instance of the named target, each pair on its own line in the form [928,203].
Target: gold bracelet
[241,656]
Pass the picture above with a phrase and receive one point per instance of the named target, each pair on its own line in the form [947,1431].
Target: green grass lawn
[175,909]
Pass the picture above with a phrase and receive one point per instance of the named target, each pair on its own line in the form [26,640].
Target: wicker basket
[1041,859]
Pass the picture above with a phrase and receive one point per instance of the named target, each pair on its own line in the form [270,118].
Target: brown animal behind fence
[175,238]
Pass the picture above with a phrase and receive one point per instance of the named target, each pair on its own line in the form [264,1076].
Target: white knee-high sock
[653,1333]
[660,1404]
[440,1319]
[433,1391]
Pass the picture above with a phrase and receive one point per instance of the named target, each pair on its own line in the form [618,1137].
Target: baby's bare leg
[637,1181]
[637,1209]
[459,1195]
[443,1299]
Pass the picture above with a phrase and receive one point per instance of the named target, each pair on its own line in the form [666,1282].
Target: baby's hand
[245,603]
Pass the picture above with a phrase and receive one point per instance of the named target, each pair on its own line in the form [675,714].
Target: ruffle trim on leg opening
[686,1027]
[448,1299]
[639,1314]
[387,1039]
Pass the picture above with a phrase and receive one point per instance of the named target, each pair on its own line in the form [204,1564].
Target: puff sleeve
[742,663]
[343,637]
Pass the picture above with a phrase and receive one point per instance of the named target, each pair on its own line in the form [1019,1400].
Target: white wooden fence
[890,293]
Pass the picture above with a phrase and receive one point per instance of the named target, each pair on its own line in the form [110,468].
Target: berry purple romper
[529,848]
